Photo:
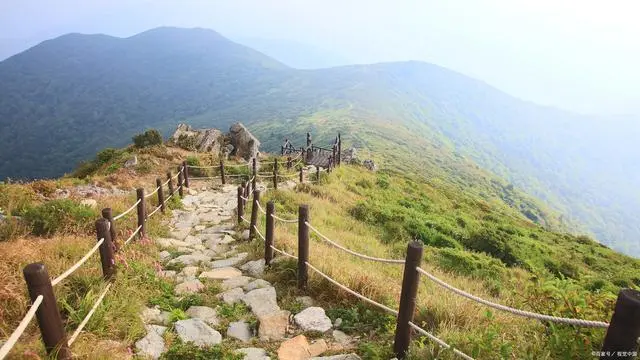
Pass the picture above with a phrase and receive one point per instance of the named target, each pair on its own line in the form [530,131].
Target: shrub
[383,181]
[44,187]
[469,264]
[106,155]
[59,215]
[194,161]
[85,169]
[148,138]
[180,350]
[493,243]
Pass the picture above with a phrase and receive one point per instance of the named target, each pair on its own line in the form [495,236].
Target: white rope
[75,267]
[288,176]
[283,252]
[260,208]
[167,199]
[362,297]
[367,257]
[236,165]
[134,234]
[245,220]
[166,182]
[244,198]
[439,342]
[175,176]
[203,178]
[234,175]
[128,210]
[290,221]
[89,315]
[202,167]
[258,232]
[264,176]
[153,193]
[15,335]
[154,211]
[528,314]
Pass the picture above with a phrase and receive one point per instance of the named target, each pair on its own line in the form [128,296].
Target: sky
[580,55]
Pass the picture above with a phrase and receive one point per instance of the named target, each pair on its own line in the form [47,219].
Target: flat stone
[238,281]
[192,240]
[257,284]
[239,330]
[306,301]
[189,287]
[274,326]
[341,338]
[167,243]
[164,255]
[318,347]
[204,313]
[232,296]
[337,323]
[232,261]
[313,319]
[197,331]
[190,259]
[155,316]
[186,250]
[168,274]
[254,354]
[189,271]
[298,348]
[221,274]
[262,301]
[180,234]
[199,227]
[338,357]
[210,217]
[227,239]
[152,345]
[254,268]
[245,235]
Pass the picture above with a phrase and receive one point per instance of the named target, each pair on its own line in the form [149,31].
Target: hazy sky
[582,55]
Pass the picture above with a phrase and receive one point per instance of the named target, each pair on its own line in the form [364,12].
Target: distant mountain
[66,98]
[294,54]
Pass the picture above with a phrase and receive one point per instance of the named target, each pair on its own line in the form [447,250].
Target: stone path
[203,246]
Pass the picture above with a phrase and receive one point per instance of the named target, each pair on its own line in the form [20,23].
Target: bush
[194,161]
[148,138]
[493,243]
[469,264]
[44,187]
[85,169]
[106,155]
[59,215]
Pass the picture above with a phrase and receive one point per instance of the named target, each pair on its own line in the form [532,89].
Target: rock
[238,281]
[341,338]
[298,348]
[227,239]
[204,313]
[239,330]
[370,165]
[180,234]
[338,357]
[313,319]
[155,316]
[257,284]
[189,287]
[262,301]
[227,150]
[192,240]
[131,162]
[170,243]
[274,326]
[244,143]
[192,192]
[253,354]
[199,227]
[189,271]
[221,273]
[152,345]
[254,268]
[190,259]
[232,296]
[232,261]
[350,156]
[92,203]
[245,235]
[202,140]
[337,323]
[197,331]
[306,301]
[164,255]
[169,274]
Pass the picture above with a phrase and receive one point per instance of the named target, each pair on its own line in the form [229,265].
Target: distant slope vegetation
[66,98]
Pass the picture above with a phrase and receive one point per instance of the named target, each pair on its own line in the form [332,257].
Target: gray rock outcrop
[313,319]
[197,331]
[202,140]
[245,145]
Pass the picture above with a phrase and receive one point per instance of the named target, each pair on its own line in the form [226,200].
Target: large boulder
[202,140]
[350,156]
[245,145]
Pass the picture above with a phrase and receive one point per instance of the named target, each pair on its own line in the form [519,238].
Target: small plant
[148,138]
[180,351]
[233,312]
[59,215]
[177,315]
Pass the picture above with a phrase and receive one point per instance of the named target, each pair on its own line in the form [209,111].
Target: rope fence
[438,341]
[127,211]
[89,315]
[133,235]
[288,221]
[283,252]
[15,335]
[152,193]
[77,265]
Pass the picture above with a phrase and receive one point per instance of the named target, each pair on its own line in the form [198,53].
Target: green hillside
[66,98]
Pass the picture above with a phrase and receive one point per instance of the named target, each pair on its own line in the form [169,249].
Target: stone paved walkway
[204,245]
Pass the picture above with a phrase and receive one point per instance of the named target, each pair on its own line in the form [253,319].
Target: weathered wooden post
[185,173]
[240,204]
[304,156]
[308,139]
[303,246]
[281,149]
[318,174]
[142,212]
[333,155]
[160,194]
[170,178]
[224,181]
[245,190]
[180,180]
[106,249]
[254,214]
[108,214]
[301,176]
[624,328]
[289,164]
[268,251]
[339,150]
[275,174]
[410,282]
[48,314]
[255,174]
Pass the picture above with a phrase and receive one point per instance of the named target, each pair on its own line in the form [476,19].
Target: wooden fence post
[301,176]
[240,204]
[106,249]
[289,164]
[255,174]
[170,178]
[180,181]
[224,180]
[275,174]
[303,246]
[185,173]
[334,153]
[624,328]
[339,150]
[245,190]
[318,174]
[304,157]
[142,212]
[108,214]
[268,251]
[410,282]
[281,149]
[254,214]
[308,139]
[160,194]
[48,314]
